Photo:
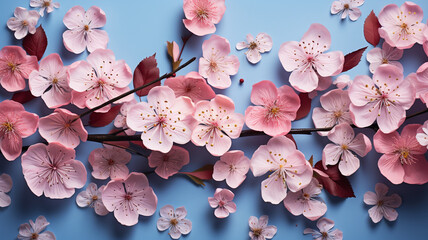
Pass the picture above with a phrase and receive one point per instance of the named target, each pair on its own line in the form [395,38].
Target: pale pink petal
[294,204]
[264,93]
[304,79]
[331,154]
[198,27]
[393,201]
[291,56]
[336,7]
[46,235]
[264,42]
[349,163]
[375,214]
[391,118]
[329,64]
[11,146]
[74,17]
[370,198]
[274,189]
[253,56]
[170,163]
[315,209]
[341,134]
[354,14]
[96,17]
[96,39]
[242,45]
[325,224]
[74,40]
[221,212]
[364,116]
[221,170]
[390,167]
[416,173]
[184,226]
[382,142]
[259,165]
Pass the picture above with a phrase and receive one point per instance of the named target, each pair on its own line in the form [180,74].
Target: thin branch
[129,149]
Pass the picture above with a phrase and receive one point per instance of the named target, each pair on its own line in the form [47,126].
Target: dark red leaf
[35,44]
[371,29]
[352,59]
[145,72]
[336,184]
[204,173]
[23,97]
[104,119]
[305,106]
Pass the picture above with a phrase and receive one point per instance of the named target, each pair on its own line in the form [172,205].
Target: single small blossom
[232,166]
[222,202]
[109,162]
[385,55]
[175,221]
[50,82]
[83,30]
[217,124]
[307,61]
[422,134]
[61,126]
[47,5]
[403,158]
[263,43]
[347,7]
[402,27]
[15,66]
[5,187]
[343,81]
[120,120]
[216,65]
[23,22]
[168,164]
[259,230]
[420,82]
[277,107]
[128,198]
[15,124]
[34,230]
[201,15]
[384,206]
[92,197]
[325,231]
[289,168]
[192,85]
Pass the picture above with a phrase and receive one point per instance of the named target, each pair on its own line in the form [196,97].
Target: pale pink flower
[263,43]
[201,15]
[343,81]
[15,66]
[168,164]
[347,7]
[402,26]
[192,85]
[232,166]
[129,198]
[222,202]
[384,98]
[34,230]
[259,230]
[23,22]
[163,119]
[60,126]
[420,81]
[422,134]
[277,107]
[289,168]
[92,197]
[215,64]
[425,44]
[385,55]
[403,157]
[306,201]
[120,120]
[83,30]
[99,79]
[44,4]
[52,170]
[5,187]
[50,82]
[325,232]
[384,206]
[15,124]
[109,162]
[174,221]
[218,123]
[306,59]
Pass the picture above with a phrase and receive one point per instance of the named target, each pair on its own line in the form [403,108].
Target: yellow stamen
[173,222]
[12,66]
[8,126]
[55,80]
[253,45]
[86,28]
[24,23]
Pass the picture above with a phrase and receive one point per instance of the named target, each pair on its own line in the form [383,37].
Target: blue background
[138,29]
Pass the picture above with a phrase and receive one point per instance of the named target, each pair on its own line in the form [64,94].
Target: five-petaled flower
[232,166]
[262,43]
[347,7]
[5,187]
[23,22]
[33,231]
[109,162]
[201,15]
[174,221]
[44,4]
[259,230]
[92,197]
[325,232]
[222,202]
[384,206]
[168,164]
[385,55]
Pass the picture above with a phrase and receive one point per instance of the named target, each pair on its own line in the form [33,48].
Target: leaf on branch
[200,174]
[104,119]
[305,106]
[336,184]
[196,180]
[146,71]
[174,52]
[23,97]
[311,160]
[35,44]
[371,29]
[352,59]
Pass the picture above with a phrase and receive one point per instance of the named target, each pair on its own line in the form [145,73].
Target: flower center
[110,162]
[257,232]
[202,13]
[232,168]
[173,222]
[346,6]
[213,66]
[405,156]
[338,114]
[324,235]
[86,28]
[310,59]
[34,236]
[188,88]
[8,126]
[344,147]
[380,203]
[253,45]
[12,66]
[94,198]
[221,203]
[274,111]
[46,4]
[404,26]
[24,23]
[67,125]
[306,196]
[384,61]
[128,197]
[55,80]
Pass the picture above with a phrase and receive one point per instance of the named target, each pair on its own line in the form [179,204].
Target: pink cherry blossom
[109,162]
[422,134]
[306,59]
[15,66]
[130,197]
[277,107]
[306,201]
[347,7]
[232,166]
[289,168]
[61,126]
[52,170]
[216,65]
[50,82]
[120,120]
[34,230]
[218,123]
[384,98]
[168,164]
[23,22]
[259,230]
[402,26]
[343,81]
[201,15]
[163,119]
[425,44]
[420,81]
[384,206]
[403,157]
[92,197]
[83,29]
[5,187]
[44,4]
[263,43]
[15,124]
[192,85]
[385,55]
[99,79]
[222,202]
[325,232]
[174,221]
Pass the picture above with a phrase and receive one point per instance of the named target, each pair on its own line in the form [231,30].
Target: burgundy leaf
[305,106]
[23,96]
[104,119]
[352,59]
[336,184]
[204,173]
[35,44]
[371,29]
[145,72]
